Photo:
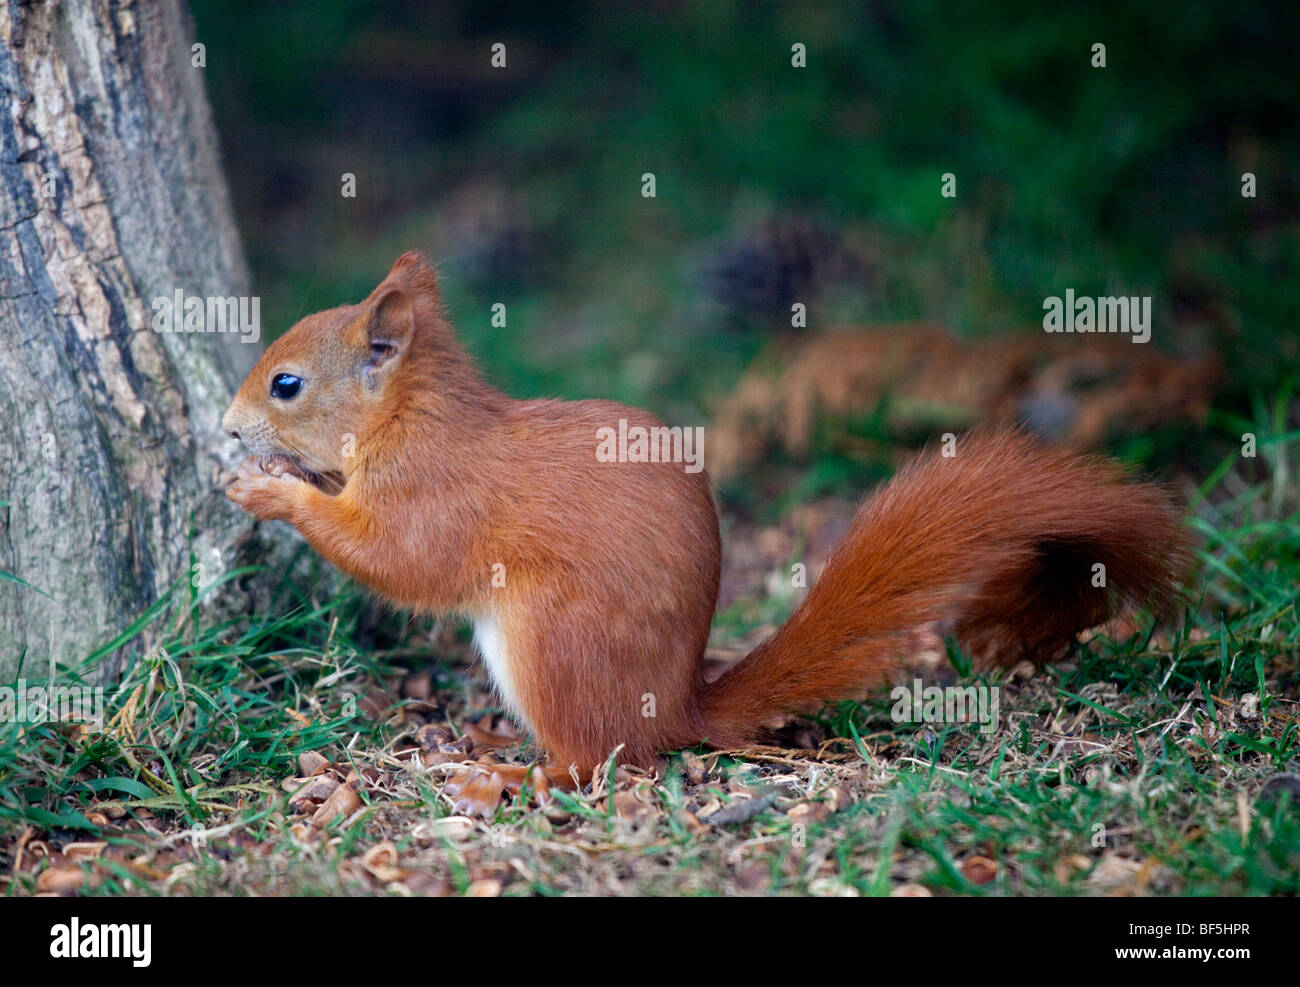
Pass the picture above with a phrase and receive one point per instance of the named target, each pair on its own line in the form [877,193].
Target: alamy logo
[656,444]
[75,941]
[23,703]
[179,312]
[946,704]
[1107,314]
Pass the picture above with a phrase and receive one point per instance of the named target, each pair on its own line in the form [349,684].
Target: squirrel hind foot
[477,788]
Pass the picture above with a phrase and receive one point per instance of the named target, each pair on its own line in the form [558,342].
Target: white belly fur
[492,646]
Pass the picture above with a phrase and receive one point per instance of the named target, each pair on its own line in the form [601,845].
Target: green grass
[1134,766]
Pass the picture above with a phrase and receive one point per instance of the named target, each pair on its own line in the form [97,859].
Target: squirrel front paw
[268,496]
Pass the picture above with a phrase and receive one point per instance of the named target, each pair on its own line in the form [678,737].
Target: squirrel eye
[285,386]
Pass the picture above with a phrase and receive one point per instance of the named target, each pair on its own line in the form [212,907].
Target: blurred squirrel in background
[591,584]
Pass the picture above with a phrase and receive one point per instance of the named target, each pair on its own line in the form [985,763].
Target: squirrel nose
[229,423]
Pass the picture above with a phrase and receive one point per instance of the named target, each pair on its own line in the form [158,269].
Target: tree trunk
[110,437]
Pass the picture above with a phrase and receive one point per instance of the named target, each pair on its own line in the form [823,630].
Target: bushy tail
[996,545]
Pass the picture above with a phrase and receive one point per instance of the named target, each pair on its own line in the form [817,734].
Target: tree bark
[110,438]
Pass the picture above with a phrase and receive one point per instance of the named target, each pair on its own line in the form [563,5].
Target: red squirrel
[371,431]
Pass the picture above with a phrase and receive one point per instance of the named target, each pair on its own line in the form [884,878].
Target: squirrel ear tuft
[412,270]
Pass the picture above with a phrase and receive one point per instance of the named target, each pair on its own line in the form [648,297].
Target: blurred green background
[774,183]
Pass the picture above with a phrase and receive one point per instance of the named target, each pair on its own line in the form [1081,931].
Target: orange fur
[995,545]
[611,569]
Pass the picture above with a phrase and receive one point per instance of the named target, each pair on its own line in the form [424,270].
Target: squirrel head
[320,388]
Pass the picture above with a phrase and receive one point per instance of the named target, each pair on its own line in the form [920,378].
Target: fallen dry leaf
[434,736]
[633,804]
[382,861]
[809,812]
[65,880]
[314,792]
[343,801]
[312,763]
[979,870]
[449,827]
